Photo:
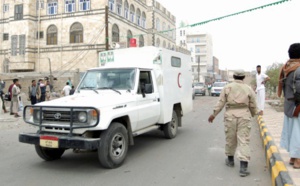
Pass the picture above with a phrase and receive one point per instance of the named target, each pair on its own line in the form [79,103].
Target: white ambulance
[134,91]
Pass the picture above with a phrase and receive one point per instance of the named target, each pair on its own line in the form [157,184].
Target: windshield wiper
[89,88]
[109,88]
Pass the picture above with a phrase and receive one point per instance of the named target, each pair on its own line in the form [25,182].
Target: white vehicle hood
[91,100]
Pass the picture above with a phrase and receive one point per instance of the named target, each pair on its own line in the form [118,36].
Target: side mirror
[148,88]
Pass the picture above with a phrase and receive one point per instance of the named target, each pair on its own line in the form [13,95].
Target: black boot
[229,161]
[243,169]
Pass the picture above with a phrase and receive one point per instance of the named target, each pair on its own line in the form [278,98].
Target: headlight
[82,117]
[38,114]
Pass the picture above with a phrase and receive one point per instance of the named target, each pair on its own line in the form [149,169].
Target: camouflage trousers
[237,132]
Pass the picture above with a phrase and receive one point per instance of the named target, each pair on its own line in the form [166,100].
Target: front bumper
[65,142]
[199,91]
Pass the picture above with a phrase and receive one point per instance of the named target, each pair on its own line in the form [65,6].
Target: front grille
[65,116]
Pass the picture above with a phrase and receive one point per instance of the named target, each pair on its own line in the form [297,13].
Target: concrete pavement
[271,124]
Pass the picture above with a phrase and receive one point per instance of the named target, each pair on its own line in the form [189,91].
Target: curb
[279,173]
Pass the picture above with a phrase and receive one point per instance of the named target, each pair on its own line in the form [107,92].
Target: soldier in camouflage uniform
[239,100]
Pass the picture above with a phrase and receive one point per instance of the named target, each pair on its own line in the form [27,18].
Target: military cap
[239,73]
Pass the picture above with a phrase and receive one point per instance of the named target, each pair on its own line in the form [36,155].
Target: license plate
[49,141]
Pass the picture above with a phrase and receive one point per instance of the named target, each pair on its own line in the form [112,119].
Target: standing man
[2,86]
[41,91]
[32,92]
[209,89]
[15,97]
[289,83]
[72,91]
[66,90]
[261,79]
[10,94]
[239,100]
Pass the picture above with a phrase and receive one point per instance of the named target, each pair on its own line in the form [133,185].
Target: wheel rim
[174,125]
[117,146]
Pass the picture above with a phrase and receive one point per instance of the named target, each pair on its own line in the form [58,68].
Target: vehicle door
[147,100]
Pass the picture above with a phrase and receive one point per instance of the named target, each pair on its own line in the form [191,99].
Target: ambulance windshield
[119,79]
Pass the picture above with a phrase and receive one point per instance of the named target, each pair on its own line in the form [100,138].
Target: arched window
[157,24]
[157,42]
[119,7]
[115,33]
[164,44]
[132,13]
[164,27]
[126,9]
[76,33]
[129,36]
[138,17]
[143,20]
[111,5]
[141,41]
[169,46]
[169,31]
[52,35]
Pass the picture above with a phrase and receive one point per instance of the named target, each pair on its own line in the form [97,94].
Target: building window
[76,33]
[126,8]
[198,39]
[41,36]
[164,44]
[14,44]
[143,20]
[52,35]
[138,17]
[157,42]
[84,5]
[132,13]
[180,32]
[169,46]
[5,8]
[129,36]
[141,41]
[19,12]
[169,31]
[111,5]
[22,44]
[119,7]
[157,24]
[115,33]
[191,49]
[183,32]
[52,8]
[164,27]
[5,37]
[69,6]
[39,4]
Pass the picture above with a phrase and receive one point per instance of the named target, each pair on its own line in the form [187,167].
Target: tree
[273,72]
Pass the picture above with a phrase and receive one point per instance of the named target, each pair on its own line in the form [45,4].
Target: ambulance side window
[145,82]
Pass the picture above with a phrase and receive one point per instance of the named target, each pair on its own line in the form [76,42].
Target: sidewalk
[274,123]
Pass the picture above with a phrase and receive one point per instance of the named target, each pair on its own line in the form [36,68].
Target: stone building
[56,36]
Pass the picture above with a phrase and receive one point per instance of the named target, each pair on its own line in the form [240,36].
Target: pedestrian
[290,84]
[33,92]
[209,89]
[240,103]
[41,91]
[66,90]
[2,86]
[261,80]
[72,90]
[10,95]
[15,98]
[48,91]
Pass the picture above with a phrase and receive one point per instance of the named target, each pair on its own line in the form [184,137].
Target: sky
[260,37]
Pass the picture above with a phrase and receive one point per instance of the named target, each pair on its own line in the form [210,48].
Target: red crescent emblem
[178,80]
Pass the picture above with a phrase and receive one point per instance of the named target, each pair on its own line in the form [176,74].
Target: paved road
[195,157]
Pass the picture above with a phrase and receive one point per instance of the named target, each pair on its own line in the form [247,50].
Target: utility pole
[106,29]
[198,60]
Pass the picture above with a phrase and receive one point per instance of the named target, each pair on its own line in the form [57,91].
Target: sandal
[297,163]
[292,161]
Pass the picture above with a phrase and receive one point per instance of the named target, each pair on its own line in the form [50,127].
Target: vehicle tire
[113,146]
[171,128]
[49,154]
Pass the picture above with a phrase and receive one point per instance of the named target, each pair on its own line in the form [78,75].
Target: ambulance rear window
[175,62]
